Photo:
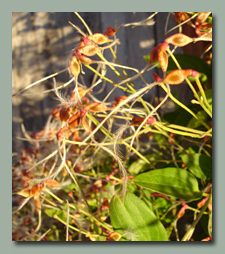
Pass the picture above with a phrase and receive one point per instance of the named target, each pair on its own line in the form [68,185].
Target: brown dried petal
[51,183]
[55,113]
[64,114]
[96,107]
[205,30]
[136,121]
[74,120]
[202,17]
[179,40]
[37,203]
[114,236]
[64,132]
[181,17]
[82,92]
[35,190]
[154,54]
[83,59]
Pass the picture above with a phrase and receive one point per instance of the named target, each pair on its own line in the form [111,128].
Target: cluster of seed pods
[159,53]
[88,47]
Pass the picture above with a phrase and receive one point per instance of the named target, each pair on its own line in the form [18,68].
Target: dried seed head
[179,40]
[181,17]
[110,31]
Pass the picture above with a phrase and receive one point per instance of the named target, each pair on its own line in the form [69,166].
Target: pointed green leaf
[199,164]
[135,220]
[194,123]
[174,182]
[140,165]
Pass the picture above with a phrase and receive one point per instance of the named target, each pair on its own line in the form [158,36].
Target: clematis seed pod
[179,40]
[83,59]
[110,31]
[159,54]
[96,107]
[178,76]
[64,132]
[64,114]
[202,18]
[74,67]
[89,50]
[74,120]
[181,17]
[163,57]
[99,38]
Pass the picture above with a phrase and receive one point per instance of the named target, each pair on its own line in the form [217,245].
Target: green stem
[190,231]
[203,94]
[184,107]
[109,80]
[179,132]
[95,121]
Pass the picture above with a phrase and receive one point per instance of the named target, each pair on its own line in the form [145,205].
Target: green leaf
[187,61]
[59,213]
[194,123]
[140,165]
[174,182]
[135,220]
[199,164]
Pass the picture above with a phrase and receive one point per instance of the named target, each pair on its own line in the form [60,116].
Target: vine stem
[190,231]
